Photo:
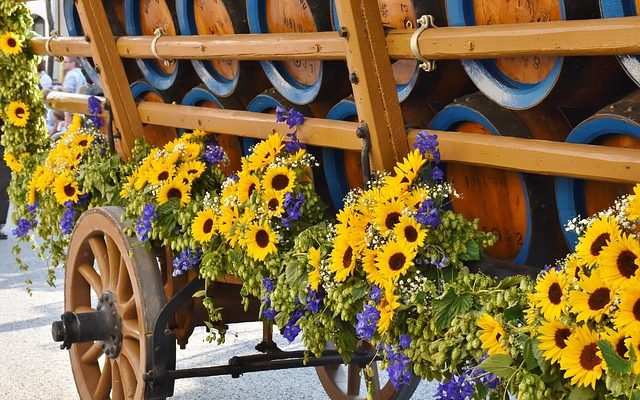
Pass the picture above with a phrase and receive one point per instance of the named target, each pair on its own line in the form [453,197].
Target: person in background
[59,123]
[45,79]
[73,77]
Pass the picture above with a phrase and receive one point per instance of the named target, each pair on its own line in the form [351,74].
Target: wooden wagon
[143,311]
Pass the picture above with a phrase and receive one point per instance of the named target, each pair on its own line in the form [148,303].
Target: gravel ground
[35,368]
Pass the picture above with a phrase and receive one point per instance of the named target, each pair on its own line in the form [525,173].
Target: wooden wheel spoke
[118,390]
[99,250]
[115,262]
[92,354]
[128,309]
[353,379]
[104,383]
[131,329]
[131,351]
[92,278]
[129,379]
[123,289]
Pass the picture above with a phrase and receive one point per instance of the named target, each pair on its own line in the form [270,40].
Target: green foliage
[450,305]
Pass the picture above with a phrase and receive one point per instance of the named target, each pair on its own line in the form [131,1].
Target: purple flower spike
[143,224]
[186,260]
[405,342]
[268,284]
[367,322]
[295,118]
[23,227]
[292,205]
[68,218]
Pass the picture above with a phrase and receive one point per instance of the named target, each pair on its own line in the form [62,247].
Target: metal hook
[363,133]
[47,46]
[157,34]
[425,22]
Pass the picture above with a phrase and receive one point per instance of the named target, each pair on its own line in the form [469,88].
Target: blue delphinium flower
[143,224]
[437,174]
[375,293]
[314,301]
[186,260]
[281,114]
[268,284]
[367,322]
[294,144]
[291,329]
[23,227]
[456,388]
[440,264]
[83,199]
[32,207]
[405,341]
[428,214]
[399,368]
[294,118]
[426,143]
[68,218]
[95,109]
[293,206]
[269,314]
[213,154]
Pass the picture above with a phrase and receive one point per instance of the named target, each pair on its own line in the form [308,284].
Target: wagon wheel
[106,270]
[347,382]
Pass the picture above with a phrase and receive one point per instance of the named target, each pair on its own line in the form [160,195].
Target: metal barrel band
[47,46]
[157,34]
[425,22]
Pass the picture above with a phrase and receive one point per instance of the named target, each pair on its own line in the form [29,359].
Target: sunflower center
[346,258]
[392,219]
[396,261]
[174,193]
[411,234]
[192,171]
[11,42]
[207,226]
[273,204]
[561,335]
[280,182]
[599,298]
[83,142]
[252,187]
[163,176]
[404,180]
[589,357]
[555,293]
[626,263]
[262,238]
[621,348]
[19,112]
[498,336]
[69,190]
[599,243]
[636,310]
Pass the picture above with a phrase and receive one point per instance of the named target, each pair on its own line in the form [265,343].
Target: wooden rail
[559,38]
[527,155]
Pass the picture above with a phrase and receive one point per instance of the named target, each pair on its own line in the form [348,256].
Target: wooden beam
[374,89]
[62,46]
[70,102]
[607,36]
[116,87]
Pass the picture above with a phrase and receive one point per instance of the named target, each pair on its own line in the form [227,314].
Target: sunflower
[126,188]
[82,140]
[416,197]
[619,341]
[18,114]
[160,173]
[551,290]
[387,307]
[491,333]
[260,241]
[174,189]
[343,259]
[273,203]
[190,151]
[553,339]
[65,189]
[632,343]
[350,222]
[228,216]
[10,44]
[619,261]
[627,319]
[395,258]
[598,235]
[202,227]
[388,213]
[575,269]
[315,258]
[409,230]
[42,178]
[633,209]
[31,192]
[246,185]
[582,360]
[279,179]
[264,153]
[593,299]
[192,169]
[408,169]
[12,162]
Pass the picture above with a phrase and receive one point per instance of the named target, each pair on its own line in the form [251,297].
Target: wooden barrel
[242,79]
[143,17]
[523,82]
[617,125]
[156,135]
[518,207]
[201,97]
[624,8]
[302,81]
[447,82]
[267,102]
[74,27]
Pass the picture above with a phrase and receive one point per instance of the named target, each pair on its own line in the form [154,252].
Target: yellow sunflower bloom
[228,216]
[627,319]
[551,291]
[582,360]
[247,184]
[394,259]
[552,339]
[388,304]
[417,197]
[279,179]
[18,114]
[593,299]
[315,258]
[31,192]
[619,341]
[619,261]
[598,235]
[82,140]
[264,153]
[260,241]
[343,259]
[192,169]
[631,343]
[126,188]
[633,209]
[65,189]
[10,44]
[174,189]
[491,333]
[273,203]
[574,267]
[409,230]
[161,173]
[12,162]
[42,178]
[203,226]
[387,214]
[408,169]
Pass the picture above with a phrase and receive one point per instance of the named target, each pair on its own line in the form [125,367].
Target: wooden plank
[539,156]
[372,81]
[70,102]
[608,36]
[116,87]
[62,46]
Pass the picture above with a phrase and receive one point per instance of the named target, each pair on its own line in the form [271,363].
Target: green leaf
[509,282]
[499,364]
[582,393]
[473,251]
[450,305]
[615,363]
[512,313]
[635,395]
[358,292]
[530,360]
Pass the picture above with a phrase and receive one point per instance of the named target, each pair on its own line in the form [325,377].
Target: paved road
[33,367]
